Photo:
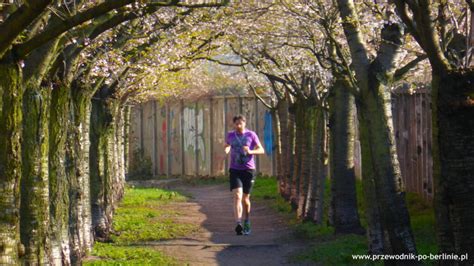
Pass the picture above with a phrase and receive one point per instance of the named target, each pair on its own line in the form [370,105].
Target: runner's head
[239,123]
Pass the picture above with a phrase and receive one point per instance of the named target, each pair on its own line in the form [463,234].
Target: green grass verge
[113,254]
[328,249]
[142,216]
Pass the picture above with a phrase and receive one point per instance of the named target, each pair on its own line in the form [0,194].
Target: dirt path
[215,243]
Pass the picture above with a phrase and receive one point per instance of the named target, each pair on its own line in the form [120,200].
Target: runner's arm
[258,149]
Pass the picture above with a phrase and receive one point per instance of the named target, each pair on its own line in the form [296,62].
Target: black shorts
[242,178]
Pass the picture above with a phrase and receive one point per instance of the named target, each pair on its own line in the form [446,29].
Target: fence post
[196,140]
[211,136]
[168,140]
[154,149]
[141,128]
[257,158]
[182,137]
[225,131]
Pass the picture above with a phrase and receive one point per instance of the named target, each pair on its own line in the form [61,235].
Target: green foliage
[144,215]
[140,167]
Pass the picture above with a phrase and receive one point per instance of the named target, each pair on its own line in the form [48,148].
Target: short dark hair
[239,117]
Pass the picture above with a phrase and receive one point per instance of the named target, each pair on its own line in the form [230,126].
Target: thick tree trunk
[383,173]
[80,233]
[10,162]
[58,183]
[453,142]
[344,210]
[101,167]
[306,151]
[34,207]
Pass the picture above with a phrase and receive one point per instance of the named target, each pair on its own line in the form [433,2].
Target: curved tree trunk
[58,183]
[10,162]
[453,142]
[34,206]
[345,215]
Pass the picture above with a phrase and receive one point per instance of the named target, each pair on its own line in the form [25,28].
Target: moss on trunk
[314,207]
[384,191]
[101,160]
[77,154]
[305,117]
[10,162]
[34,207]
[58,183]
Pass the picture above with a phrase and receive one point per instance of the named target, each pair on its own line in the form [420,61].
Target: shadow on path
[215,243]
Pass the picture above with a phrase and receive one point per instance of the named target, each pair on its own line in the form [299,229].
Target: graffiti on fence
[268,134]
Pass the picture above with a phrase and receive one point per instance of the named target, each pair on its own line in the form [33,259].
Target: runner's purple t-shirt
[238,159]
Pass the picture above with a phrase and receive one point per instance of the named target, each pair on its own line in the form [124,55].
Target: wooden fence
[184,138]
[413,132]
[187,138]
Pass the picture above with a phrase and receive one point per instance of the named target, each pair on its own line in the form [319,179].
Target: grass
[329,249]
[142,216]
[113,254]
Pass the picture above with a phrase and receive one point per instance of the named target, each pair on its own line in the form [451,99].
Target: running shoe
[239,229]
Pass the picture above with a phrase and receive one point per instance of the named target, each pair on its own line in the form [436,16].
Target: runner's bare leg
[237,203]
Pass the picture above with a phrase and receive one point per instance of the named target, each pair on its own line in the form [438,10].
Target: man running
[242,144]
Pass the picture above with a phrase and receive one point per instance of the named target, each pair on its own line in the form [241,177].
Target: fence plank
[175,156]
[412,123]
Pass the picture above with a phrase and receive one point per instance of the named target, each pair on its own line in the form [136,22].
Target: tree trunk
[10,162]
[291,153]
[318,172]
[34,206]
[378,141]
[277,153]
[58,183]
[78,174]
[306,147]
[344,209]
[453,142]
[286,152]
[119,155]
[101,167]
[295,178]
[126,139]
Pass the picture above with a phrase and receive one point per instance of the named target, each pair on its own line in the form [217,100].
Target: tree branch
[14,25]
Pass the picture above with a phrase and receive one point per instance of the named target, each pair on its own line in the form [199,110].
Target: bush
[140,167]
